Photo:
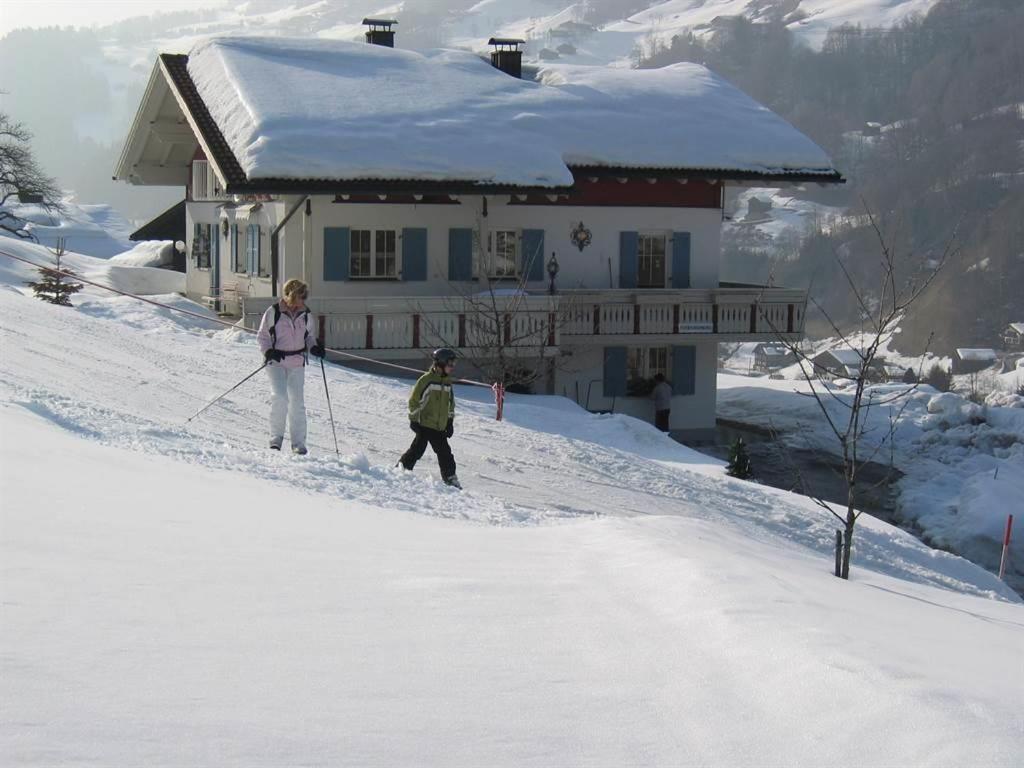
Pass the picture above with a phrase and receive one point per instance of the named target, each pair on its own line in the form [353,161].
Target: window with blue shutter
[414,254]
[627,259]
[460,254]
[237,262]
[533,254]
[684,370]
[615,372]
[681,260]
[336,253]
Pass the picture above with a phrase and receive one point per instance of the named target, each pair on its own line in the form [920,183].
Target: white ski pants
[287,385]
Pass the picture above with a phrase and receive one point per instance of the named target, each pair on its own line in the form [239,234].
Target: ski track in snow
[546,445]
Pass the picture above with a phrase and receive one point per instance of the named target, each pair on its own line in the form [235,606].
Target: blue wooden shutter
[460,254]
[627,259]
[336,253]
[681,260]
[614,371]
[414,254]
[684,370]
[533,254]
[257,250]
[250,266]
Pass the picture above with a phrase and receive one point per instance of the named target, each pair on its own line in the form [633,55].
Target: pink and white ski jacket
[295,331]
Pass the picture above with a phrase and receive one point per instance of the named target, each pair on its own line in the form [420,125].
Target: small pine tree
[939,378]
[739,461]
[55,287]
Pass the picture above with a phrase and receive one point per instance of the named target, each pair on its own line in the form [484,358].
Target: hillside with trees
[926,120]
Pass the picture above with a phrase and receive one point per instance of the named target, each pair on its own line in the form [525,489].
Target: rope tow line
[497,388]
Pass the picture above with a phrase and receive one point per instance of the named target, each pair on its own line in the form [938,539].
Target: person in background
[662,397]
[432,415]
[285,337]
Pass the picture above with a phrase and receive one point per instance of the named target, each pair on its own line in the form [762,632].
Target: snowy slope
[599,595]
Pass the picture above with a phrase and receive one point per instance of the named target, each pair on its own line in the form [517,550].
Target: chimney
[380,32]
[506,55]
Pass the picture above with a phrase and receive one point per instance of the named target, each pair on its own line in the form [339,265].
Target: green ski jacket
[432,401]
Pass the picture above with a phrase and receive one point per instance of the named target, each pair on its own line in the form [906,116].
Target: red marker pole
[1006,545]
[499,398]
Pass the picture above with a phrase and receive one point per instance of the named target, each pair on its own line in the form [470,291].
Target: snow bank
[324,109]
[142,281]
[93,230]
[149,253]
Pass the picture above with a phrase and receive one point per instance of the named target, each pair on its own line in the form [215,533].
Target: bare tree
[21,177]
[847,412]
[505,335]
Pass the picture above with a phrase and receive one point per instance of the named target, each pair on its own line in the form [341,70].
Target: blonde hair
[295,288]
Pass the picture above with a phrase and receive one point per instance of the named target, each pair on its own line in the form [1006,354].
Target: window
[201,244]
[503,253]
[642,365]
[237,253]
[374,253]
[650,261]
[259,254]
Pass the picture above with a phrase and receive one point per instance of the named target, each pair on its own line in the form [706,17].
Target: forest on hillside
[942,160]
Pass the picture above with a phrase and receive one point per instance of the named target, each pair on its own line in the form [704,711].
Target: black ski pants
[437,441]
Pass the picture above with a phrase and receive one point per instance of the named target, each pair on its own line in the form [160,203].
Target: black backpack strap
[273,328]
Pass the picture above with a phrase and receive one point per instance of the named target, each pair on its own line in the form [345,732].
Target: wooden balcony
[538,324]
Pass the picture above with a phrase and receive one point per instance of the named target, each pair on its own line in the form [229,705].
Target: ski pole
[226,393]
[330,411]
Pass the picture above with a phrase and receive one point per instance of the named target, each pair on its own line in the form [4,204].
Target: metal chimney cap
[506,41]
[379,22]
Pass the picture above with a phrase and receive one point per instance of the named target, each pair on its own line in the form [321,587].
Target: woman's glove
[273,356]
[450,429]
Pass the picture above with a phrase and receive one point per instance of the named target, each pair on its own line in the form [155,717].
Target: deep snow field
[599,595]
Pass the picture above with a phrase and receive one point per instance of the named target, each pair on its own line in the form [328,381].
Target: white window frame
[373,253]
[490,270]
[666,239]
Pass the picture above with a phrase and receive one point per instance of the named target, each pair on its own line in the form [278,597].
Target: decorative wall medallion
[580,236]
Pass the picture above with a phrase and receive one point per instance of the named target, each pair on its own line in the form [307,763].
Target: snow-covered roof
[1018,327]
[847,357]
[976,354]
[334,110]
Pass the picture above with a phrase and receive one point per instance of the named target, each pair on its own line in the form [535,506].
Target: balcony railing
[540,323]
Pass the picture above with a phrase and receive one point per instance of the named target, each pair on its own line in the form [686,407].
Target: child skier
[285,336]
[432,414]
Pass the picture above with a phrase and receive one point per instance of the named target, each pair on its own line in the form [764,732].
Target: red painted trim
[415,331]
[400,199]
[462,330]
[551,329]
[753,318]
[675,318]
[789,319]
[321,334]
[597,319]
[369,331]
[634,192]
[714,318]
[508,328]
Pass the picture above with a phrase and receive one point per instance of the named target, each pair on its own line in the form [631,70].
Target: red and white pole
[499,398]
[1006,546]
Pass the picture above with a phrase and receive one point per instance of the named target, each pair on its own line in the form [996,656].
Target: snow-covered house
[400,185]
[845,363]
[971,360]
[769,356]
[1013,336]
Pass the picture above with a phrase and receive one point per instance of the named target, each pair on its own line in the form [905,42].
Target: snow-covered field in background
[95,230]
[787,212]
[178,594]
[963,463]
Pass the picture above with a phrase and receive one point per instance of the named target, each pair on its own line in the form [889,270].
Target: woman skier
[285,336]
[432,414]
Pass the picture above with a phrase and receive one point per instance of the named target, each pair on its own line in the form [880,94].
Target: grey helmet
[443,356]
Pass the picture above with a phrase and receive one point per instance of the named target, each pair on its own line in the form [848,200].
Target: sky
[42,13]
